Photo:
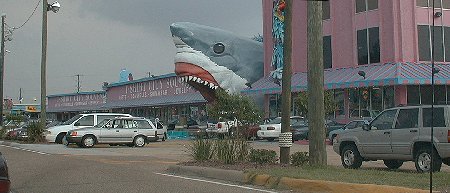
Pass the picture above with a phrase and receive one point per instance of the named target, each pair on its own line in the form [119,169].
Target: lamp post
[2,62]
[45,7]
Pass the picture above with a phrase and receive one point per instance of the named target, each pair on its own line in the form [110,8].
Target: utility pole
[2,63]
[286,85]
[20,95]
[78,83]
[316,112]
[43,118]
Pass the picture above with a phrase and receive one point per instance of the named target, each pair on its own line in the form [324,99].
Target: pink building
[388,40]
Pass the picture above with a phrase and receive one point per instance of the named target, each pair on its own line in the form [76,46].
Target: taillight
[73,133]
[219,125]
[270,128]
[448,136]
[4,186]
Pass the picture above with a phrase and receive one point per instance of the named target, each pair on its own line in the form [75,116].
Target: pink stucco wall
[397,21]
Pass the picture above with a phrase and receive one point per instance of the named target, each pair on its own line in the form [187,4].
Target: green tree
[301,103]
[231,106]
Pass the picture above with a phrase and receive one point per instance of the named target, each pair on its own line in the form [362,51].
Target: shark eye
[218,48]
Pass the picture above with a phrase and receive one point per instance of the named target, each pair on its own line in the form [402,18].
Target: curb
[297,185]
[220,174]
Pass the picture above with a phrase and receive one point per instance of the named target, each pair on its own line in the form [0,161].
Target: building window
[437,3]
[366,5]
[339,100]
[327,54]
[388,97]
[274,105]
[441,38]
[325,10]
[413,95]
[368,46]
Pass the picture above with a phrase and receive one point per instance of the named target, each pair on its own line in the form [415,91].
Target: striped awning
[376,75]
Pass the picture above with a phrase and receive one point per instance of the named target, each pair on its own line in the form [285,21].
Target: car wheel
[59,138]
[350,157]
[139,141]
[422,160]
[88,141]
[164,137]
[64,141]
[270,139]
[393,164]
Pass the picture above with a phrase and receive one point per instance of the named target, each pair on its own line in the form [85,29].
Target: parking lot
[174,151]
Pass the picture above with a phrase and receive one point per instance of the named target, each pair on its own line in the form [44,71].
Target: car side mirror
[366,127]
[77,124]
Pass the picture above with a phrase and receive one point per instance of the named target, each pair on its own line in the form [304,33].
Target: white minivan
[56,134]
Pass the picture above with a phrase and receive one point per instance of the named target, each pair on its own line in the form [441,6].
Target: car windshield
[71,120]
[275,121]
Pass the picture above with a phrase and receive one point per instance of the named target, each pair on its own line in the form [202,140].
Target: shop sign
[155,88]
[77,100]
[32,109]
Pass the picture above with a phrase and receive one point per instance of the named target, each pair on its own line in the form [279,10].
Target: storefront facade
[64,106]
[165,97]
[376,55]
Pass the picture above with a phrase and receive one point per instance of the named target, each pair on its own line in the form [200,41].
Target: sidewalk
[296,185]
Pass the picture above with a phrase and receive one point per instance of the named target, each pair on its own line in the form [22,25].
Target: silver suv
[397,135]
[125,130]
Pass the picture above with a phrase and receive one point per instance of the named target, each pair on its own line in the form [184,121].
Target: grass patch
[411,179]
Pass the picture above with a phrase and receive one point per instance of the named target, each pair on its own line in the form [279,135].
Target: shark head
[208,58]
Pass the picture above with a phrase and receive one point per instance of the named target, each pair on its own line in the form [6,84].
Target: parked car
[221,127]
[272,129]
[351,125]
[301,133]
[195,128]
[397,135]
[5,182]
[55,134]
[122,130]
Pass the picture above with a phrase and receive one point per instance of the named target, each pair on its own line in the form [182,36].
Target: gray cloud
[98,38]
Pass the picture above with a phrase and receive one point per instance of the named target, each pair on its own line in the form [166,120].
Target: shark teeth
[199,81]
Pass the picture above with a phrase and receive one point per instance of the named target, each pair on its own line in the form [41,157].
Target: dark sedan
[301,133]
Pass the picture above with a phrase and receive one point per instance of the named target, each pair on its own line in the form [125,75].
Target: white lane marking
[212,182]
[29,150]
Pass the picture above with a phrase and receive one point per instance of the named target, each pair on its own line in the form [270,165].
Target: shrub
[230,151]
[299,158]
[201,149]
[263,156]
[3,133]
[35,132]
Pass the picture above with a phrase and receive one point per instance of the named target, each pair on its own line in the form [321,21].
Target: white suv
[397,135]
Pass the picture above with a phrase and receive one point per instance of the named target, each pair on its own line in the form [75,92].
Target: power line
[29,16]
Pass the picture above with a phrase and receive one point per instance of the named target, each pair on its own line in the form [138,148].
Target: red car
[5,183]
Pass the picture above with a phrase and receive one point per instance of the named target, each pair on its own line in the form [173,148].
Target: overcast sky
[97,38]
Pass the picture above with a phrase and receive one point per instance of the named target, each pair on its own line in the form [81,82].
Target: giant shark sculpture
[208,58]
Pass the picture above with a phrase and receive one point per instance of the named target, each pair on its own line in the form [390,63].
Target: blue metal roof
[74,94]
[142,80]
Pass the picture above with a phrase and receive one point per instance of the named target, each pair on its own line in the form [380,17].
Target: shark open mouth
[198,78]
[209,59]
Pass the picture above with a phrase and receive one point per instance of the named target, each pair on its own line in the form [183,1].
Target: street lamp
[46,7]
